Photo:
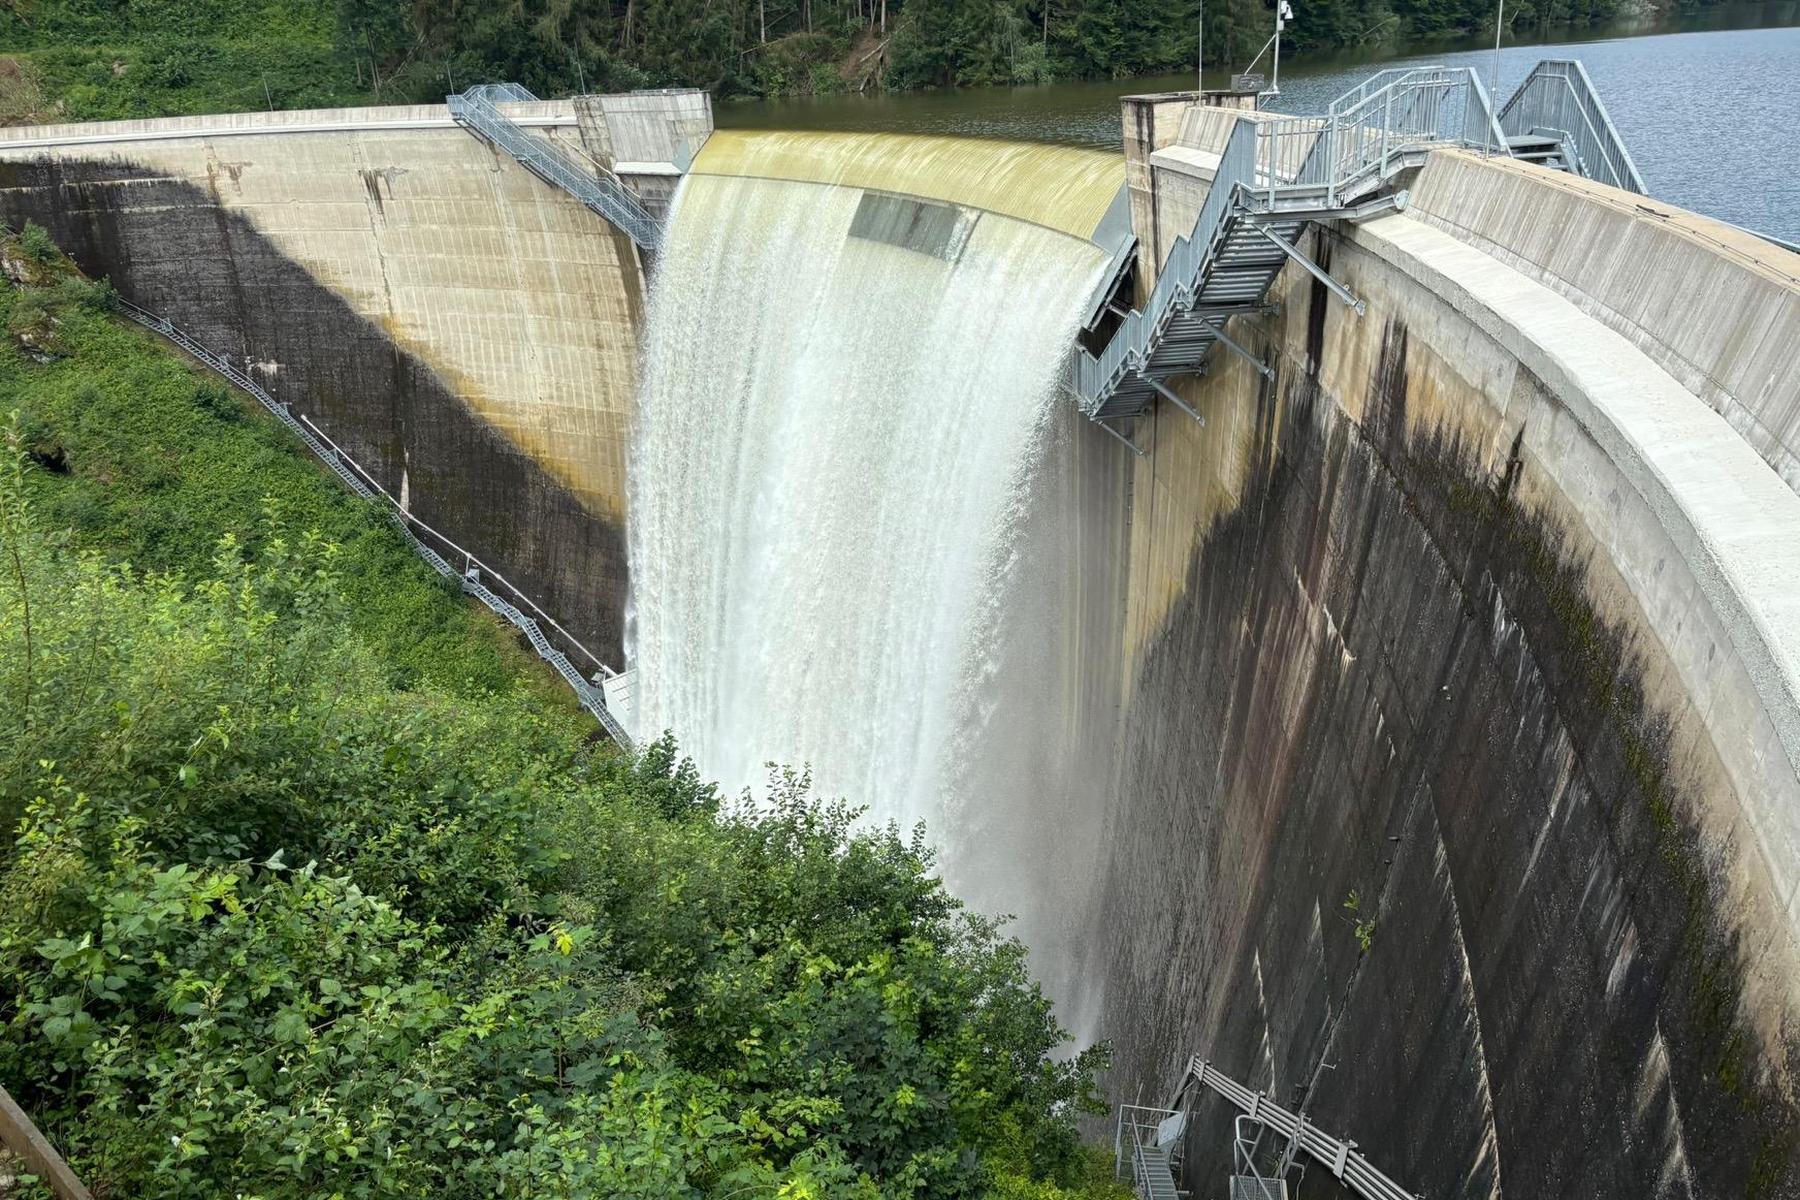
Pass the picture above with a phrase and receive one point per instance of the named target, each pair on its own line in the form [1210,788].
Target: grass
[148,459]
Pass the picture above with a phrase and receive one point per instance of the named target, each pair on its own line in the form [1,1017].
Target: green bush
[275,927]
[35,242]
[280,917]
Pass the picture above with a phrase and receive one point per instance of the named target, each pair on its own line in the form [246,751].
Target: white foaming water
[833,444]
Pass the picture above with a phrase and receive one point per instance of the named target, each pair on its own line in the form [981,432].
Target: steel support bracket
[1172,398]
[1314,269]
[1217,325]
[1129,444]
[1392,202]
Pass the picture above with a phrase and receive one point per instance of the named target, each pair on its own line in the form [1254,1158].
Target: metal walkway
[478,110]
[1277,175]
[1273,177]
[1159,1132]
[358,480]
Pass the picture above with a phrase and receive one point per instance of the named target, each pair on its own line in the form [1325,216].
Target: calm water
[1712,116]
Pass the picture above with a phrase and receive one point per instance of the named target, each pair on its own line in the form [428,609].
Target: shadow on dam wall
[1383,684]
[169,246]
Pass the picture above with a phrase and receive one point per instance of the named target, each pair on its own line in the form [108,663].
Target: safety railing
[1339,1157]
[1319,163]
[1558,100]
[1097,377]
[1368,134]
[474,575]
[592,184]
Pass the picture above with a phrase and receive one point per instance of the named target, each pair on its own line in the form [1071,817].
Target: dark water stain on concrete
[174,249]
[1385,679]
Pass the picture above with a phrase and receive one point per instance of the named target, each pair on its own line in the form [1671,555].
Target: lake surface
[1711,116]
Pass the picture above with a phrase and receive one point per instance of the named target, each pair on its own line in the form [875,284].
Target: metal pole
[1200,51]
[1275,86]
[1494,74]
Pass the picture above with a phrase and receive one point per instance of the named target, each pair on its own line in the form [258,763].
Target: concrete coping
[1185,160]
[535,113]
[1729,516]
[1747,249]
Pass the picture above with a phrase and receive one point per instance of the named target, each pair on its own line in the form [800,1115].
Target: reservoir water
[1709,115]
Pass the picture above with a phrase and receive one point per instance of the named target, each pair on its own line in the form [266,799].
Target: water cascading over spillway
[844,395]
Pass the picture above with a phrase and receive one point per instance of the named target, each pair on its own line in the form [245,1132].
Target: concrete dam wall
[465,330]
[1472,635]
[1476,624]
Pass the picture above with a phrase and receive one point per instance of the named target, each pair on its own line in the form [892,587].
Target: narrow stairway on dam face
[843,395]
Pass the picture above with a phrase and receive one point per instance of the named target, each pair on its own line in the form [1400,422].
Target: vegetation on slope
[93,59]
[296,903]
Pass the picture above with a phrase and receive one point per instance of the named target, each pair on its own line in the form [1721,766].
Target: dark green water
[1709,105]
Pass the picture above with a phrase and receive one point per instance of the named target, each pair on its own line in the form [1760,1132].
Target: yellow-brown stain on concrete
[1060,187]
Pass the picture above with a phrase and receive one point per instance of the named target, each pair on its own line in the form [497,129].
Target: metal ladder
[1272,179]
[358,480]
[1154,1174]
[478,111]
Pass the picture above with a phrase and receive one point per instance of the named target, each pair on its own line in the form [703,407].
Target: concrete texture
[467,330]
[646,138]
[1059,187]
[1715,307]
[1478,621]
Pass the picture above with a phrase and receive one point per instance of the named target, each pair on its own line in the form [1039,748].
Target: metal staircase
[364,484]
[1149,1138]
[1556,118]
[478,110]
[1273,177]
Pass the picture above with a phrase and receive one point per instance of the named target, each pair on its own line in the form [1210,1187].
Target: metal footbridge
[1277,174]
[585,178]
[1270,1145]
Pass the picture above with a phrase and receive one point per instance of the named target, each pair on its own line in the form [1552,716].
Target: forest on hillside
[93,59]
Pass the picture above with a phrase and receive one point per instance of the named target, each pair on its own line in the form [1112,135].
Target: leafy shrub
[35,241]
[272,927]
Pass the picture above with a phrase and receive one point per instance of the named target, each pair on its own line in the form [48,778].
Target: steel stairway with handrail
[1277,175]
[478,110]
[1273,177]
[1556,118]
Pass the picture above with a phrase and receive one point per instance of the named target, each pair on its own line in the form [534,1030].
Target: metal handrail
[599,189]
[359,480]
[1326,162]
[1340,1157]
[1558,95]
[1137,1136]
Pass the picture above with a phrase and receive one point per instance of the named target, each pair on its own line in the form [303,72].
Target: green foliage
[99,60]
[151,460]
[276,921]
[35,242]
[1364,927]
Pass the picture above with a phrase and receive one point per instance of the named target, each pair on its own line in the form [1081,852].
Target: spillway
[845,394]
